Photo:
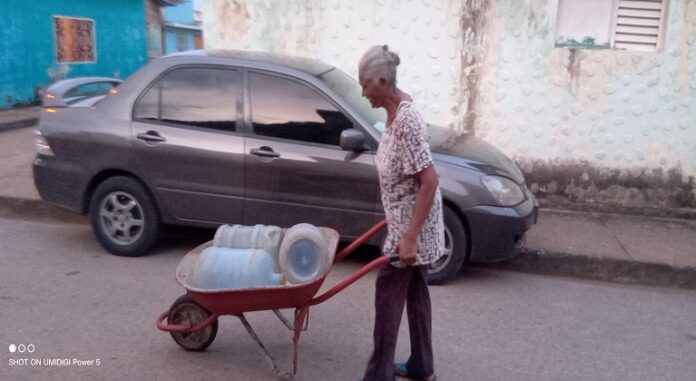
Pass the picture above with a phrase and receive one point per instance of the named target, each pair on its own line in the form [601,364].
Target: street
[63,294]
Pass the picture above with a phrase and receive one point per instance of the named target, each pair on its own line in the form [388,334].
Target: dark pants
[396,286]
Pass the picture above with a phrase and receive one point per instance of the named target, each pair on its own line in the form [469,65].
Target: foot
[401,370]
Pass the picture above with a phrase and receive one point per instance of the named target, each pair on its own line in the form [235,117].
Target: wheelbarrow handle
[381,261]
[183,327]
[362,239]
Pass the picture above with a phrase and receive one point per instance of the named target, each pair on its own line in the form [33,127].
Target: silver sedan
[205,138]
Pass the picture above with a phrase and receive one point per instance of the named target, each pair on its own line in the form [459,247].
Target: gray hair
[380,62]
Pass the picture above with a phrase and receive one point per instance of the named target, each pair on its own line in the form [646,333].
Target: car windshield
[349,89]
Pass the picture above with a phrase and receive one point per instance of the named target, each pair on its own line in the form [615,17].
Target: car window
[350,90]
[286,109]
[201,97]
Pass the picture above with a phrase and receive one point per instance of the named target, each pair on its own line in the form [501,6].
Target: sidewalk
[19,117]
[611,247]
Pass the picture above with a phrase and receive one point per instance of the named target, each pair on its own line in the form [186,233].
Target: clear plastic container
[251,237]
[304,254]
[229,268]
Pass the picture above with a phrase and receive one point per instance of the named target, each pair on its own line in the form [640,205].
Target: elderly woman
[413,207]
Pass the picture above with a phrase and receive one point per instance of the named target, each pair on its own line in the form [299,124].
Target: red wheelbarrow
[192,319]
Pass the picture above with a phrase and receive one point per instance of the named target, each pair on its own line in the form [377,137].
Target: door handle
[151,136]
[264,152]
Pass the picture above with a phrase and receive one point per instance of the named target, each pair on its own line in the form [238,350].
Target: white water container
[264,237]
[227,268]
[304,255]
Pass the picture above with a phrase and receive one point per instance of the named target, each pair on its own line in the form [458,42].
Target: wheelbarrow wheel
[185,310]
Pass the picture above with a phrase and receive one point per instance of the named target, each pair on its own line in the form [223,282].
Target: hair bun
[392,56]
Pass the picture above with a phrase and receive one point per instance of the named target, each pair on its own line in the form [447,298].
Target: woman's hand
[407,251]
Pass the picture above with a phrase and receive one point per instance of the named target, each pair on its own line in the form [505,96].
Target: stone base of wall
[562,203]
[575,184]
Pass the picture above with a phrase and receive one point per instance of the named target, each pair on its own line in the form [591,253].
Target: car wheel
[124,217]
[448,266]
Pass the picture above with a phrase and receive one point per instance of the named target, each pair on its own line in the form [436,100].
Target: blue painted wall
[27,43]
[170,39]
[179,14]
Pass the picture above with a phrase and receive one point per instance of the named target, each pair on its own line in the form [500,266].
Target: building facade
[595,99]
[182,28]
[45,41]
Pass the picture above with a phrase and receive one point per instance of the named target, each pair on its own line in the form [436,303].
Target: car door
[295,169]
[186,136]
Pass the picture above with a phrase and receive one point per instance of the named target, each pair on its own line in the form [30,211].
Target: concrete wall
[27,43]
[154,30]
[591,125]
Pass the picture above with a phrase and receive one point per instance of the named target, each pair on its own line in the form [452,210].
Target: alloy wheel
[121,218]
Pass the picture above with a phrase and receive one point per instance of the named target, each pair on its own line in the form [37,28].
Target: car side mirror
[352,140]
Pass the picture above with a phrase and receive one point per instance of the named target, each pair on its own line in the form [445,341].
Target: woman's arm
[427,180]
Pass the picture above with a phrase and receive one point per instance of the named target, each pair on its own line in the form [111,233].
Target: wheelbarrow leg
[267,355]
[301,319]
[286,322]
[283,319]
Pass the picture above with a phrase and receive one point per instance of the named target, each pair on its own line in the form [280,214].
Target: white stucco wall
[606,107]
[615,107]
[425,33]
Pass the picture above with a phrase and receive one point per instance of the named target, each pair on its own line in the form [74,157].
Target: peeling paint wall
[492,68]
[602,108]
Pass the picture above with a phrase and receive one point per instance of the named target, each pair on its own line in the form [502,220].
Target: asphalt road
[68,299]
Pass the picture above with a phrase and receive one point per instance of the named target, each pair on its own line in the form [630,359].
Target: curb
[18,124]
[646,211]
[602,269]
[527,261]
[39,210]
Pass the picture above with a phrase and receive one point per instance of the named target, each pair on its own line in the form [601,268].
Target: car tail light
[41,144]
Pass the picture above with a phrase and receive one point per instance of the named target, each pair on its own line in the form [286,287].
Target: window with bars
[620,24]
[75,41]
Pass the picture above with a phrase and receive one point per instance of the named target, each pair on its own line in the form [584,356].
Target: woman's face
[374,90]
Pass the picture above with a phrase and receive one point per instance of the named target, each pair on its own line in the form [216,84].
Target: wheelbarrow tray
[240,300]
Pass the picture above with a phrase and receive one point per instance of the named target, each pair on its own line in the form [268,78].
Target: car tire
[124,217]
[456,245]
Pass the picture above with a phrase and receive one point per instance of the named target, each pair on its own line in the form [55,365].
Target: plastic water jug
[304,254]
[251,237]
[230,268]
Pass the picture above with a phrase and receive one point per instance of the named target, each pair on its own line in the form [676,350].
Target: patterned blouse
[403,152]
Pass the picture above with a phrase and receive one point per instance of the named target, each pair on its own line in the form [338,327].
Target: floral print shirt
[403,152]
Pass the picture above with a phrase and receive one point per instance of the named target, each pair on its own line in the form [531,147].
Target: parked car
[205,138]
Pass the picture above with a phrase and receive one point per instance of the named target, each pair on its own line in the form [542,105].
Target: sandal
[401,370]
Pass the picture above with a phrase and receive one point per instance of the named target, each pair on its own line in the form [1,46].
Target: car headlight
[505,191]
[41,144]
